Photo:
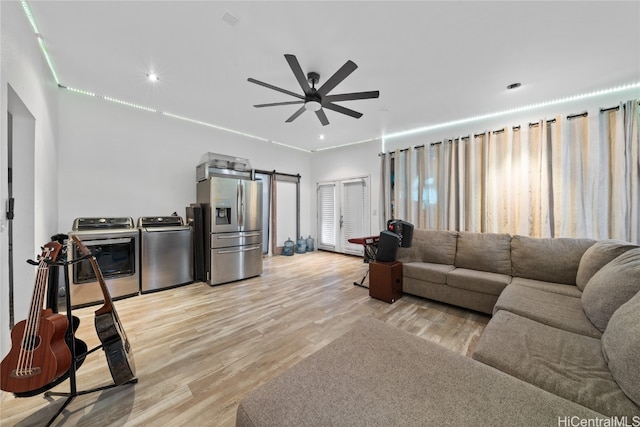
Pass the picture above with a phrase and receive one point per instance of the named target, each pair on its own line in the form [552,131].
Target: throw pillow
[621,348]
[613,285]
[601,253]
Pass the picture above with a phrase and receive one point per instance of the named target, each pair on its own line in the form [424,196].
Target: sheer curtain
[575,176]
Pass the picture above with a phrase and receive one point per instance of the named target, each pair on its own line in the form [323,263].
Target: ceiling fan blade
[341,109]
[278,103]
[351,96]
[344,71]
[297,71]
[258,82]
[296,114]
[322,117]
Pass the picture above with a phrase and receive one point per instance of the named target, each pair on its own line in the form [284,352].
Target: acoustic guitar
[77,347]
[39,353]
[109,329]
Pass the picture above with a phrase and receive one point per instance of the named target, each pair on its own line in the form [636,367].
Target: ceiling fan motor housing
[313,78]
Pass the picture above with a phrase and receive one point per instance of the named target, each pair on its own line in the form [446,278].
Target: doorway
[343,214]
[281,209]
[19,209]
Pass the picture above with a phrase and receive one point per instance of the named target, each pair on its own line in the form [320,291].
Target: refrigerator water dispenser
[223,216]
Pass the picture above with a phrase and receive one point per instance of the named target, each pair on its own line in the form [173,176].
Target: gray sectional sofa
[562,346]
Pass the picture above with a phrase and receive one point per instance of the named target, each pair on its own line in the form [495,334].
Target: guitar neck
[108,304]
[49,252]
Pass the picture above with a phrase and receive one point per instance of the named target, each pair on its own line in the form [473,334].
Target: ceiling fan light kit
[312,105]
[317,99]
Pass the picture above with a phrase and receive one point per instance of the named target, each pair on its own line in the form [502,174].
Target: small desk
[385,280]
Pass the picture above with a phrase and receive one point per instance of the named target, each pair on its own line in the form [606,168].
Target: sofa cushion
[434,273]
[478,281]
[601,253]
[378,375]
[558,288]
[547,259]
[484,251]
[560,311]
[448,294]
[621,347]
[613,285]
[563,363]
[436,246]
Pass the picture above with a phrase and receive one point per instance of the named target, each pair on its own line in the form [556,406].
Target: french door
[343,214]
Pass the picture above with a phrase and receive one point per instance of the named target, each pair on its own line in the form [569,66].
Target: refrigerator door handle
[232,251]
[235,236]
[240,204]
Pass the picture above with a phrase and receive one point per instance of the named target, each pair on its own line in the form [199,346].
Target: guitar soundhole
[31,342]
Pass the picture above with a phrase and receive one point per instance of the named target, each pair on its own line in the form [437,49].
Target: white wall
[348,162]
[119,161]
[23,68]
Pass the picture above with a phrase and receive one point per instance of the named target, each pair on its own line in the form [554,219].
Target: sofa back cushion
[436,246]
[484,251]
[601,253]
[621,347]
[613,285]
[547,259]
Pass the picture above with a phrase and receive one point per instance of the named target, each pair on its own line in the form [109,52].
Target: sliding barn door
[343,213]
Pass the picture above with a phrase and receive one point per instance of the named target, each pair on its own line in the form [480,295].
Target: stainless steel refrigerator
[233,223]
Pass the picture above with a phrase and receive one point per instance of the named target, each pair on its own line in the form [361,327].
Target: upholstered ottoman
[378,375]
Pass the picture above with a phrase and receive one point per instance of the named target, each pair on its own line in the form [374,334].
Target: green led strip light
[176,116]
[423,129]
[514,110]
[43,48]
[32,21]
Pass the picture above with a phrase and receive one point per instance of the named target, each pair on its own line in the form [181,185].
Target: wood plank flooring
[199,349]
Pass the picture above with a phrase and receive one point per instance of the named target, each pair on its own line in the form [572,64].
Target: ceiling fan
[317,99]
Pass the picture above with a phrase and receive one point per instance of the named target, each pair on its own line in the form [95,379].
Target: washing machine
[166,252]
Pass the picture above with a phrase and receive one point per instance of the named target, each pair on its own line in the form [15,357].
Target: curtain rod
[575,116]
[569,117]
[616,108]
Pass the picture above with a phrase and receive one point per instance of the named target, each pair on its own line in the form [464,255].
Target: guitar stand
[73,391]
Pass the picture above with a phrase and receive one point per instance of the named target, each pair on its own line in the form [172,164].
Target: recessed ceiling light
[153,77]
[321,136]
[514,86]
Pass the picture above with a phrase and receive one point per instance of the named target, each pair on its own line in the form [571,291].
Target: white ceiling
[432,61]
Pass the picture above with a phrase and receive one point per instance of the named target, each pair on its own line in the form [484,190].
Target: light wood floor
[199,349]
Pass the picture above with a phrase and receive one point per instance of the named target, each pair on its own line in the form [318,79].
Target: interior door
[343,213]
[21,136]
